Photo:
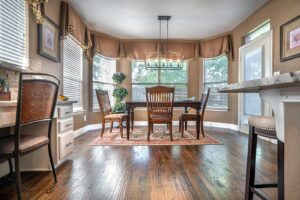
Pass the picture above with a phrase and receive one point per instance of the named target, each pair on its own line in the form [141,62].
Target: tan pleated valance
[216,47]
[72,24]
[137,49]
[188,49]
[105,46]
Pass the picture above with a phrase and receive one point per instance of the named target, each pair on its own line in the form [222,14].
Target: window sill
[78,111]
[218,109]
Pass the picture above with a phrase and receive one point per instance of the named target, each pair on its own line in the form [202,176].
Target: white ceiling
[191,19]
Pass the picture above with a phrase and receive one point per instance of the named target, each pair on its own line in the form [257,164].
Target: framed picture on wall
[49,40]
[290,39]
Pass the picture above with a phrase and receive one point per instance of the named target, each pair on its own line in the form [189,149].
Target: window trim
[244,38]
[25,68]
[216,109]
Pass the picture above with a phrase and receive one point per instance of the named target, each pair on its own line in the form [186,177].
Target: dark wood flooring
[157,172]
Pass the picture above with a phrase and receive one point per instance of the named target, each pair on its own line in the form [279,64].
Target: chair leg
[51,161]
[111,126]
[121,128]
[280,161]
[149,127]
[202,128]
[185,125]
[182,127]
[152,128]
[10,169]
[251,158]
[18,176]
[103,128]
[170,130]
[179,125]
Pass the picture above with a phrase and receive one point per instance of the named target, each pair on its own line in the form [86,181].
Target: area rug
[160,136]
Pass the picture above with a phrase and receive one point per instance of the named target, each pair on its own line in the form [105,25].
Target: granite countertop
[65,102]
[291,79]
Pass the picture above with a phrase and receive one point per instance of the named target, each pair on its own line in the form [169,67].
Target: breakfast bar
[282,93]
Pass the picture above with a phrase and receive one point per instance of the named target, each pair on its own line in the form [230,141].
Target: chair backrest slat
[160,100]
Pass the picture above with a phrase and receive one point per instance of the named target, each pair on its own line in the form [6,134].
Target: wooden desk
[282,93]
[131,105]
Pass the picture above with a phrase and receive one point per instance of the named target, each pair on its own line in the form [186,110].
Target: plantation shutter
[72,70]
[13,33]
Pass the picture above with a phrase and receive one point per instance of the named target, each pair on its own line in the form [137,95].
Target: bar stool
[263,126]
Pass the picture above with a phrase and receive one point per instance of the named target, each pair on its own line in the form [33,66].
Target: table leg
[128,123]
[185,111]
[132,118]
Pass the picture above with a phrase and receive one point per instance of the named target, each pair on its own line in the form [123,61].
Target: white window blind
[13,33]
[72,71]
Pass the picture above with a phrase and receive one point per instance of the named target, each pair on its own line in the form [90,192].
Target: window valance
[72,24]
[106,46]
[136,50]
[216,47]
[188,49]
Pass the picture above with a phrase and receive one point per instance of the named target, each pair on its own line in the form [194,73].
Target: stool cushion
[263,122]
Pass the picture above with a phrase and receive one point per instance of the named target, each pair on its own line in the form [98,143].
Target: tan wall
[278,11]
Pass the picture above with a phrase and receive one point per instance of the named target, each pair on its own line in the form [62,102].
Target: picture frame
[48,40]
[290,39]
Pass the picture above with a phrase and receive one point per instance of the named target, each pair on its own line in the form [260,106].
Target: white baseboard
[90,127]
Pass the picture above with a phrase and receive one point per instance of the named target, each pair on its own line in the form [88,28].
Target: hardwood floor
[157,172]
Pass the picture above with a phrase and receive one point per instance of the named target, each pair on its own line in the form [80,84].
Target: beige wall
[278,11]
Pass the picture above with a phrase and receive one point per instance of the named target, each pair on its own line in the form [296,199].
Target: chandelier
[36,7]
[163,58]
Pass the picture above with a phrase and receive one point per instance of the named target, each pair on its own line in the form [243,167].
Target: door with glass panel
[255,63]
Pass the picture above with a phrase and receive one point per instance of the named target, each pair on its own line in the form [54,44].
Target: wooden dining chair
[160,100]
[185,117]
[106,112]
[37,97]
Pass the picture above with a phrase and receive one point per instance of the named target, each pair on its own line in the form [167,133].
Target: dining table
[131,105]
[282,93]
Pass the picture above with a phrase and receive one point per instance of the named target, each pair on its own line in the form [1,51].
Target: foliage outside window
[103,71]
[257,32]
[216,75]
[142,78]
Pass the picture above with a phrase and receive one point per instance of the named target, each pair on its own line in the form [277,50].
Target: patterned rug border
[190,140]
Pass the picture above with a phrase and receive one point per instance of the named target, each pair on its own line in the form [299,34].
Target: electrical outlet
[84,118]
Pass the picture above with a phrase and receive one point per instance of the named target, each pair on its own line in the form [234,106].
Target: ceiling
[191,19]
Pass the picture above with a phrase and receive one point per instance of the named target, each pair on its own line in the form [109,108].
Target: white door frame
[267,71]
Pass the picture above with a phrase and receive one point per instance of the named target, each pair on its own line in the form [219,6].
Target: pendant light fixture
[163,58]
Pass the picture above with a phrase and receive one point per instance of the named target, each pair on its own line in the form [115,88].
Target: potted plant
[2,84]
[119,92]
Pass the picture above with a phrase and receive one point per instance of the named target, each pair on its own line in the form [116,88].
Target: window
[13,34]
[216,75]
[72,71]
[258,31]
[142,78]
[103,70]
